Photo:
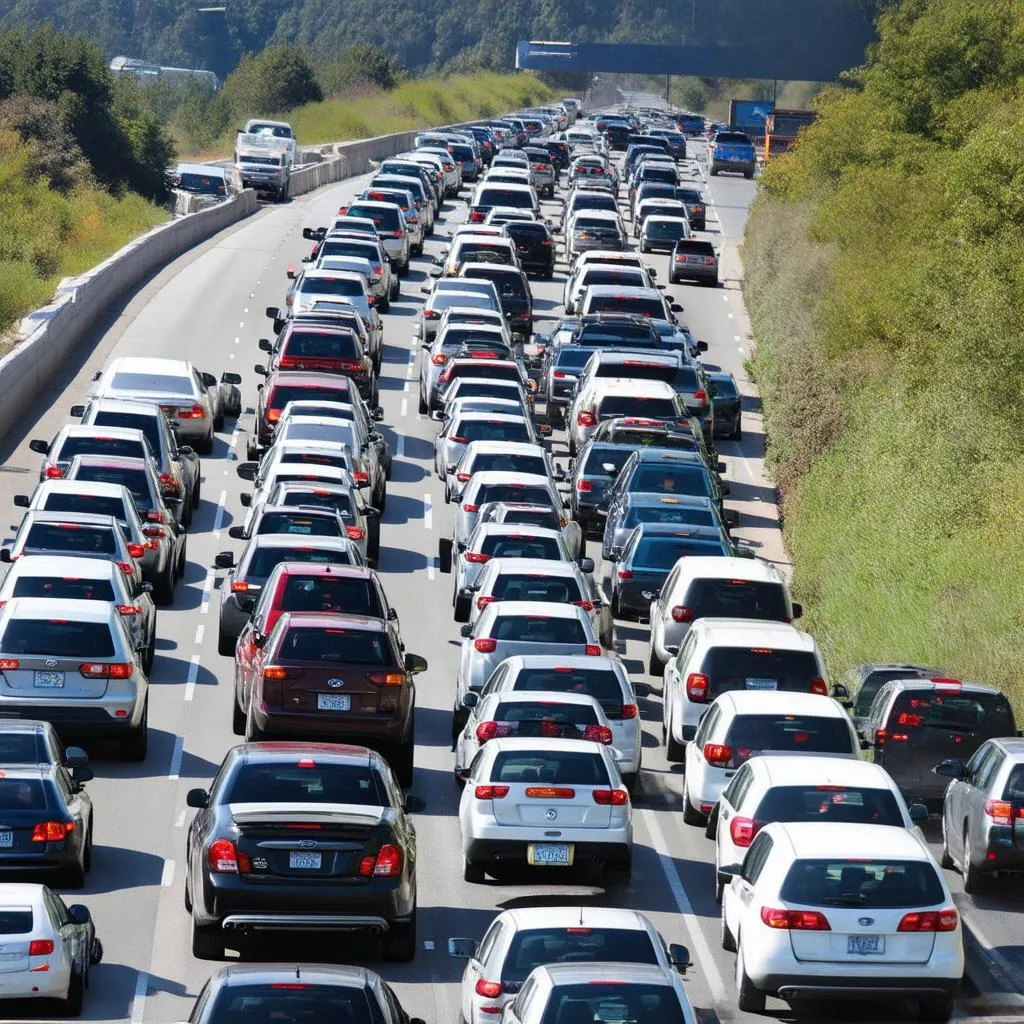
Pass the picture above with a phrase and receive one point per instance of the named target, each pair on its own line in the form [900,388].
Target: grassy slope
[885,286]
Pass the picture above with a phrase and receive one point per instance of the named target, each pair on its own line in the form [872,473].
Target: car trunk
[306,842]
[16,931]
[331,689]
[531,802]
[850,941]
[44,677]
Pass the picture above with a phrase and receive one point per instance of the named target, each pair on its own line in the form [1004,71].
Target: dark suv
[535,246]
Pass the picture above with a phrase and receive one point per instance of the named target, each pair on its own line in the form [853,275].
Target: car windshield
[264,559]
[521,493]
[661,553]
[337,646]
[672,479]
[97,504]
[535,587]
[349,287]
[966,711]
[72,537]
[507,545]
[201,184]
[326,593]
[539,628]
[537,946]
[57,638]
[862,883]
[135,480]
[308,782]
[331,344]
[758,668]
[737,599]
[652,307]
[855,804]
[156,383]
[78,444]
[612,1002]
[299,525]
[63,588]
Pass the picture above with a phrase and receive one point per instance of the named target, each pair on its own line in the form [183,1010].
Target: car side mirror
[426,289]
[197,798]
[462,949]
[586,565]
[470,700]
[273,313]
[798,611]
[290,272]
[245,499]
[247,470]
[78,411]
[918,812]
[951,768]
[236,533]
[82,775]
[719,466]
[231,378]
[79,913]
[310,234]
[261,370]
[75,757]
[377,414]
[415,664]
[225,560]
[671,650]
[39,446]
[679,957]
[186,449]
[467,630]
[675,307]
[392,615]
[613,556]
[745,553]
[726,489]
[731,517]
[652,272]
[840,692]
[22,500]
[371,513]
[702,346]
[5,554]
[209,380]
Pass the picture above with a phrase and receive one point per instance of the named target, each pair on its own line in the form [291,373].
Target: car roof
[95,487]
[320,569]
[687,500]
[629,356]
[525,696]
[632,386]
[70,609]
[815,839]
[717,567]
[535,566]
[38,515]
[149,364]
[64,566]
[330,275]
[755,632]
[488,417]
[677,530]
[303,378]
[785,770]
[525,918]
[139,406]
[334,620]
[760,702]
[549,611]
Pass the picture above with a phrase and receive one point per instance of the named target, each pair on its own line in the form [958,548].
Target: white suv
[607,397]
[546,803]
[842,912]
[702,587]
[799,788]
[741,724]
[719,655]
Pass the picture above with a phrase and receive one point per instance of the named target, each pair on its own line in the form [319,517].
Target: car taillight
[697,687]
[717,753]
[154,531]
[611,797]
[52,831]
[273,415]
[819,686]
[624,574]
[709,261]
[432,314]
[463,477]
[387,863]
[483,601]
[355,532]
[485,644]
[239,587]
[195,412]
[490,792]
[224,858]
[439,359]
[584,486]
[170,483]
[1000,811]
[126,567]
[477,557]
[680,613]
[129,609]
[587,606]
[796,920]
[106,670]
[929,921]
[361,478]
[598,733]
[40,947]
[476,216]
[9,664]
[275,672]
[445,376]
[488,989]
[586,418]
[592,650]
[700,395]
[386,678]
[136,550]
[488,730]
[54,472]
[470,508]
[743,830]
[558,375]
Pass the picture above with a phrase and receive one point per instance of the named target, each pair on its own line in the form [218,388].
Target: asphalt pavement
[208,307]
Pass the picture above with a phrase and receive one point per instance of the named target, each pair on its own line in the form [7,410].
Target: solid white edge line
[200,630]
[400,445]
[139,999]
[405,407]
[699,945]
[218,522]
[207,589]
[167,875]
[175,769]
[190,684]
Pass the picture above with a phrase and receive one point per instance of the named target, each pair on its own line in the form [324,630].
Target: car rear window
[296,524]
[263,560]
[734,138]
[627,277]
[285,393]
[612,406]
[666,174]
[444,300]
[526,231]
[758,668]
[538,946]
[966,711]
[96,504]
[57,638]
[484,369]
[521,493]
[63,588]
[1014,784]
[135,480]
[725,387]
[314,783]
[750,735]
[693,247]
[322,593]
[538,517]
[133,421]
[491,430]
[382,217]
[79,445]
[862,883]
[359,250]
[544,718]
[658,227]
[556,767]
[661,553]
[674,479]
[625,335]
[22,795]
[874,681]
[593,201]
[484,252]
[539,629]
[200,184]
[340,501]
[456,338]
[509,285]
[638,305]
[337,647]
[640,369]
[154,382]
[15,920]
[348,287]
[855,804]
[597,457]
[505,197]
[481,389]
[330,344]
[93,540]
[499,462]
[572,357]
[736,599]
[536,587]
[669,514]
[606,1001]
[506,545]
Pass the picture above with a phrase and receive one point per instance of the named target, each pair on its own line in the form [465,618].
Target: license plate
[862,945]
[49,680]
[305,861]
[694,259]
[762,684]
[333,702]
[550,854]
[6,840]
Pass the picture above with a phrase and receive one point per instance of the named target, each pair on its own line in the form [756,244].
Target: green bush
[276,80]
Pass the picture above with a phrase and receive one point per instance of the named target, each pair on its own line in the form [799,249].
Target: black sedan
[300,837]
[535,246]
[727,404]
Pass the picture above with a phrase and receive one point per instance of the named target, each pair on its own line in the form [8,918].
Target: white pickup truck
[265,153]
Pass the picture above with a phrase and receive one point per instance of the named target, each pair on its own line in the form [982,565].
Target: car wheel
[182,559]
[95,953]
[945,859]
[423,408]
[205,447]
[237,719]
[719,889]
[87,853]
[218,422]
[444,554]
[630,780]
[400,941]
[461,608]
[402,759]
[674,751]
[711,828]
[149,655]
[935,1009]
[163,592]
[135,744]
[975,881]
[187,893]
[403,270]
[737,434]
[225,644]
[74,876]
[728,941]
[196,491]
[690,814]
[253,733]
[207,941]
[72,1005]
[471,871]
[748,998]
[187,511]
[654,665]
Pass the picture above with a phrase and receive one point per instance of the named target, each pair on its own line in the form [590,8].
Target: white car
[48,946]
[498,456]
[603,678]
[458,432]
[547,714]
[605,398]
[704,587]
[544,803]
[741,724]
[801,788]
[842,912]
[604,273]
[734,654]
[520,940]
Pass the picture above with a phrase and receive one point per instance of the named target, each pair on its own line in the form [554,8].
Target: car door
[479,967]
[973,794]
[71,936]
[741,890]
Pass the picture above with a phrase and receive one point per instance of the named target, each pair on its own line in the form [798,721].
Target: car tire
[719,889]
[728,940]
[654,665]
[384,304]
[74,876]
[711,825]
[197,492]
[748,175]
[630,781]
[444,554]
[207,941]
[135,744]
[975,881]
[182,559]
[95,954]
[400,941]
[149,655]
[218,422]
[737,434]
[935,1009]
[690,814]
[253,733]
[72,1005]
[674,751]
[461,605]
[87,853]
[748,998]
[472,872]
[225,644]
[945,858]
[205,447]
[237,719]
[423,407]
[403,270]
[163,591]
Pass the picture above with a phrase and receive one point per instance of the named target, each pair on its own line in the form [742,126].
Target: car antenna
[581,915]
[297,974]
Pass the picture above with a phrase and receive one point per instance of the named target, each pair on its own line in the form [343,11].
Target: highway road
[208,307]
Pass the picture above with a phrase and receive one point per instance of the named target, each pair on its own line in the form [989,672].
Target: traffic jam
[585,501]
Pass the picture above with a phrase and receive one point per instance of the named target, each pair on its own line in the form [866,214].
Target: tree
[272,82]
[360,64]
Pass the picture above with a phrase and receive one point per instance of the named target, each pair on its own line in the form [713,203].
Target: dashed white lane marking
[740,349]
[736,337]
[175,768]
[241,323]
[190,682]
[432,567]
[207,590]
[246,310]
[235,435]
[729,315]
[428,944]
[237,340]
[405,407]
[400,447]
[218,522]
[180,821]
[231,355]
[405,387]
[428,512]
[167,875]
[139,999]
[200,630]
[698,943]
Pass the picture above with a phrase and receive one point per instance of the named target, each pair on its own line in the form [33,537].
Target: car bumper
[514,851]
[50,984]
[87,717]
[587,517]
[692,272]
[874,986]
[631,597]
[396,249]
[193,430]
[330,726]
[15,862]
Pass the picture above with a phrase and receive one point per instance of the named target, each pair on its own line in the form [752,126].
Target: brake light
[550,793]
[587,606]
[908,719]
[680,613]
[361,478]
[592,650]
[709,261]
[485,644]
[458,439]
[476,216]
[104,670]
[225,859]
[40,947]
[558,375]
[488,730]
[9,664]
[462,477]
[929,921]
[949,685]
[386,678]
[1000,811]
[743,830]
[717,753]
[439,359]
[624,574]
[490,792]
[195,412]
[477,557]
[881,737]
[796,920]
[488,989]
[611,797]
[239,587]
[275,672]
[586,418]
[170,483]
[129,609]
[470,508]
[431,314]
[819,686]
[598,733]
[355,532]
[697,687]
[584,486]
[52,831]
[54,472]
[387,863]
[126,567]
[273,415]
[154,531]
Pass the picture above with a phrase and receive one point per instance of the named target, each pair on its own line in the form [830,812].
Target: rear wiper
[845,901]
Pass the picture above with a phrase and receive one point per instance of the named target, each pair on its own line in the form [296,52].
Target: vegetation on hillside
[884,284]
